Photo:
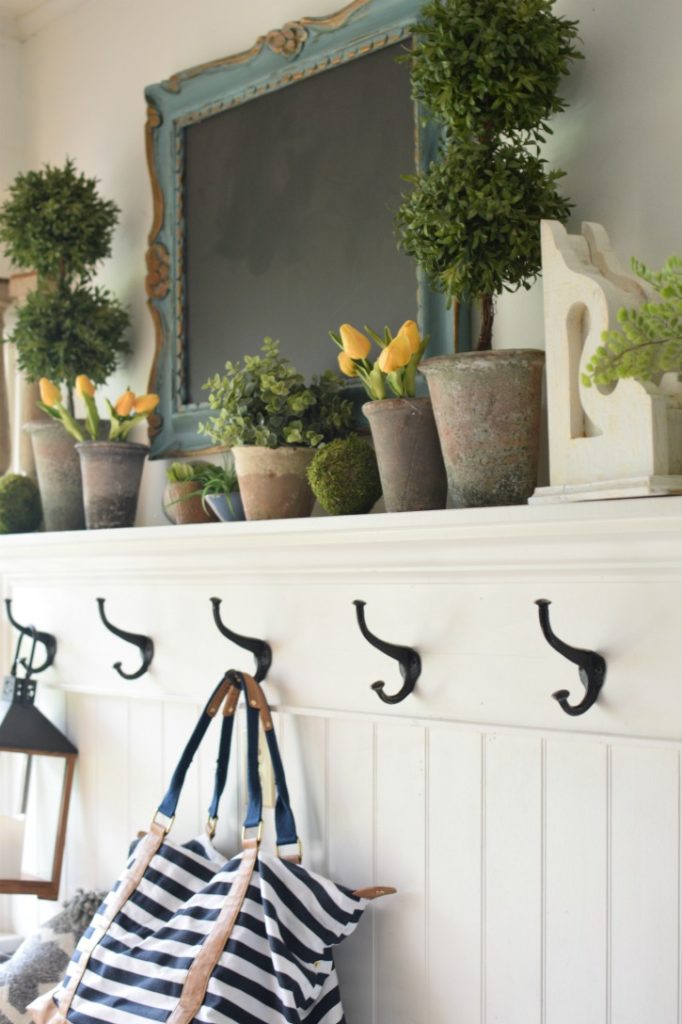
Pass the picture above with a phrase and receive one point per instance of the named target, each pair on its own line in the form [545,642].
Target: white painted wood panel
[536,855]
[512,913]
[455,877]
[577,938]
[645,885]
[401,857]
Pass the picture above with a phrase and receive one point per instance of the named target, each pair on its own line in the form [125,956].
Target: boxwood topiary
[344,477]
[20,510]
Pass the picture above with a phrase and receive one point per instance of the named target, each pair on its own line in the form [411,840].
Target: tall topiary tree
[56,222]
[488,71]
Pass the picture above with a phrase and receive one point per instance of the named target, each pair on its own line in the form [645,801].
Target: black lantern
[36,774]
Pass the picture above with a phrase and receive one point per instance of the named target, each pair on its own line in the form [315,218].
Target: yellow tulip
[396,355]
[410,331]
[125,404]
[84,386]
[354,342]
[346,365]
[50,395]
[146,403]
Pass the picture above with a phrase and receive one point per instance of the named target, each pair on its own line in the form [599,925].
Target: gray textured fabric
[41,960]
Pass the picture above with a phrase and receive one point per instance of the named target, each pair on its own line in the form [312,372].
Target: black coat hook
[591,666]
[48,641]
[145,644]
[408,659]
[261,650]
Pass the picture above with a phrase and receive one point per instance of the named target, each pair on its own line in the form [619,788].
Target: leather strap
[222,692]
[285,825]
[204,963]
[373,891]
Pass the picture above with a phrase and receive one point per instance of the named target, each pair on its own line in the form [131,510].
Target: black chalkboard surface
[289,207]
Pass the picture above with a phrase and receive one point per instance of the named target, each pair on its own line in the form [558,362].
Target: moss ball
[344,477]
[20,510]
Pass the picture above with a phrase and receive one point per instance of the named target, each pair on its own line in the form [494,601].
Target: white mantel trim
[639,538]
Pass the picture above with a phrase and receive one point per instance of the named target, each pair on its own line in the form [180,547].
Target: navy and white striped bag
[186,936]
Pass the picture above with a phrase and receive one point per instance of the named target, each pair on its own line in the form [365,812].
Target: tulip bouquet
[396,364]
[128,410]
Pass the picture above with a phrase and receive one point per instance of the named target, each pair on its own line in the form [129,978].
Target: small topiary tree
[56,222]
[488,71]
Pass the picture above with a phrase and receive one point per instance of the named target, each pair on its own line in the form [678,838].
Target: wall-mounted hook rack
[48,641]
[407,658]
[260,649]
[144,643]
[591,665]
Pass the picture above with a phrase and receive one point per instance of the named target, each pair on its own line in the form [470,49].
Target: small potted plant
[488,72]
[111,468]
[182,496]
[55,222]
[403,427]
[273,422]
[221,493]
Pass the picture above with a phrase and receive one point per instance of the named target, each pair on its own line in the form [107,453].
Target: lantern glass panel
[31,787]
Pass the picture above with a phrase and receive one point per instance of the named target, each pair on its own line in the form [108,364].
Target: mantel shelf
[638,535]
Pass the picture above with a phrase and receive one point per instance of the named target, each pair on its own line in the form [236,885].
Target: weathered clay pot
[112,471]
[273,482]
[487,409]
[182,503]
[408,453]
[59,475]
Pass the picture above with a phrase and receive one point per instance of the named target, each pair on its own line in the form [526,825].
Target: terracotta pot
[487,409]
[273,482]
[182,503]
[231,511]
[59,475]
[408,453]
[112,471]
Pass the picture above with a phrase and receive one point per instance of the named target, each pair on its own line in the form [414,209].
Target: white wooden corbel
[621,441]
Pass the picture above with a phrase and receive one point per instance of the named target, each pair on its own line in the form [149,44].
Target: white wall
[617,142]
[12,132]
[620,141]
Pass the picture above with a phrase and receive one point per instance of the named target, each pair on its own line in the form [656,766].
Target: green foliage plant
[267,402]
[55,221]
[344,476]
[649,341]
[20,510]
[209,479]
[488,72]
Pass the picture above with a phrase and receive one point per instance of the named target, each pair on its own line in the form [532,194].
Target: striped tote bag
[185,935]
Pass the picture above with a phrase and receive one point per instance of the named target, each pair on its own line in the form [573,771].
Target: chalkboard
[289,206]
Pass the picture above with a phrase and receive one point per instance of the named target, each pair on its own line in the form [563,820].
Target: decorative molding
[157,281]
[154,121]
[287,41]
[633,538]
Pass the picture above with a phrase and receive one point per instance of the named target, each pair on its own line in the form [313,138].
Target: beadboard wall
[537,856]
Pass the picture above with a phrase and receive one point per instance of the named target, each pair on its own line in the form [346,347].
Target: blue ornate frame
[280,58]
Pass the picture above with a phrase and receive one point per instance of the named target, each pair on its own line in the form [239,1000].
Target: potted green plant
[273,421]
[649,340]
[55,222]
[402,424]
[111,468]
[488,71]
[221,493]
[183,493]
